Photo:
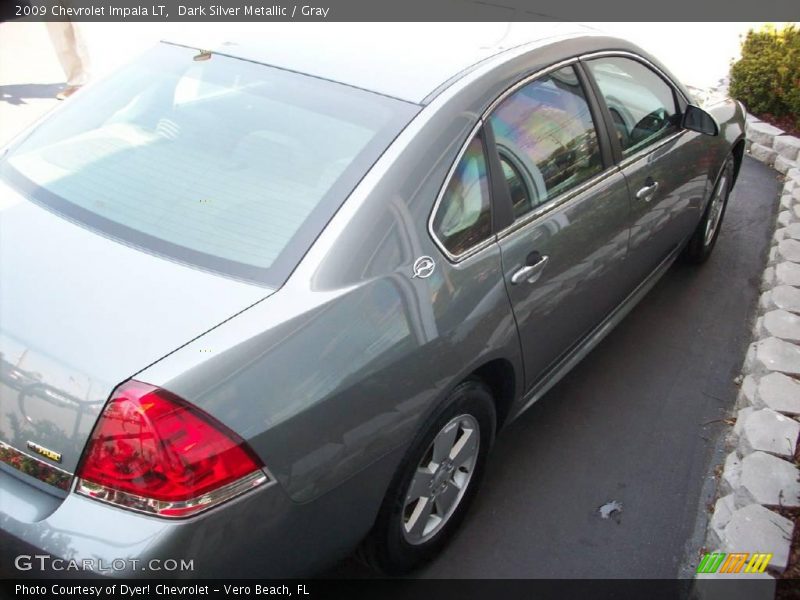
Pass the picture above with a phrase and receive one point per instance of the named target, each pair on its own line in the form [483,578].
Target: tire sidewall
[696,250]
[727,169]
[393,553]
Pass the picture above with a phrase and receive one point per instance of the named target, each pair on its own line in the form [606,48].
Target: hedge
[767,77]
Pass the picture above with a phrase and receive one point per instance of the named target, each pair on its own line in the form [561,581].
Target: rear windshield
[210,160]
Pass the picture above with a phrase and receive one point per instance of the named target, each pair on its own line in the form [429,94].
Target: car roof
[402,60]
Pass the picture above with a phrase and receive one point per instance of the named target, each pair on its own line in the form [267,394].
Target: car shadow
[19,94]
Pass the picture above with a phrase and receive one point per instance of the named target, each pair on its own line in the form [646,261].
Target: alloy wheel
[441,479]
[715,210]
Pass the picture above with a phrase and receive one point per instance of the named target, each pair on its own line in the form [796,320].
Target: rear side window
[222,163]
[546,139]
[463,218]
[641,103]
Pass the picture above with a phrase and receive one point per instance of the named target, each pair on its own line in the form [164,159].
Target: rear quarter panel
[343,365]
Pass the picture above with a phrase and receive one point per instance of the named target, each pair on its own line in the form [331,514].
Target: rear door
[663,164]
[564,245]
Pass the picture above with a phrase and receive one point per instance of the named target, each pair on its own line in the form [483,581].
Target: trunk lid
[79,314]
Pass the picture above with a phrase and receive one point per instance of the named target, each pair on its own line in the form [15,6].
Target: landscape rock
[785,218]
[789,249]
[779,392]
[762,133]
[766,479]
[787,273]
[766,430]
[723,511]
[782,164]
[787,146]
[763,153]
[757,527]
[768,279]
[730,473]
[782,324]
[786,297]
[748,391]
[773,354]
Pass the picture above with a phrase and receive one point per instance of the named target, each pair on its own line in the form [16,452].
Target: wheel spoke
[715,210]
[415,525]
[446,499]
[443,443]
[420,485]
[465,448]
[440,480]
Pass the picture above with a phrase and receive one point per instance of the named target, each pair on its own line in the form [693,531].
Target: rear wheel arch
[499,376]
[385,547]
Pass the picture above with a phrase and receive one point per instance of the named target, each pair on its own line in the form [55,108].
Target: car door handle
[532,270]
[648,191]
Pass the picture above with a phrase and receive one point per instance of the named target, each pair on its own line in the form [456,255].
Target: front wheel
[435,484]
[705,236]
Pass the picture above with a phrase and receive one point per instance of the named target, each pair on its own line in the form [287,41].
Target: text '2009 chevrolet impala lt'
[263,305]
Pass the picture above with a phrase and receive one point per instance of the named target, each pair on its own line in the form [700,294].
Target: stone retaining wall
[760,473]
[772,146]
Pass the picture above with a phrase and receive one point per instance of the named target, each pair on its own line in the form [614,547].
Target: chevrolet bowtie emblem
[423,267]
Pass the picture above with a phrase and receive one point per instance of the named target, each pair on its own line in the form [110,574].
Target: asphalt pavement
[638,422]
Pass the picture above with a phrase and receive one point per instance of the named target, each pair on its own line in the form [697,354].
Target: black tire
[699,247]
[386,548]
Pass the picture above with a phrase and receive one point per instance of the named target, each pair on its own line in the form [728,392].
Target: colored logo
[736,562]
[51,454]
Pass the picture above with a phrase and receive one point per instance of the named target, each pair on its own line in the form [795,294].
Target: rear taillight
[153,452]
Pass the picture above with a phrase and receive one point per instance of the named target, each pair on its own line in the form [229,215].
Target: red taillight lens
[152,451]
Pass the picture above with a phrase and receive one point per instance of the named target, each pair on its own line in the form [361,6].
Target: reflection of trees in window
[548,126]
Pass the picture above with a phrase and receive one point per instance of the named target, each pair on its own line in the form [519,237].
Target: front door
[664,165]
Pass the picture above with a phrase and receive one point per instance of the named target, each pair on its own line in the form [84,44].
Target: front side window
[642,104]
[546,139]
[223,163]
[463,218]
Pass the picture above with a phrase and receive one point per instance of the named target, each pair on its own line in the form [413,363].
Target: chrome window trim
[559,201]
[629,160]
[572,194]
[525,81]
[306,268]
[632,55]
[454,258]
[568,195]
[565,196]
[626,161]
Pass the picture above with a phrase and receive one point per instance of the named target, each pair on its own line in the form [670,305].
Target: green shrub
[767,77]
